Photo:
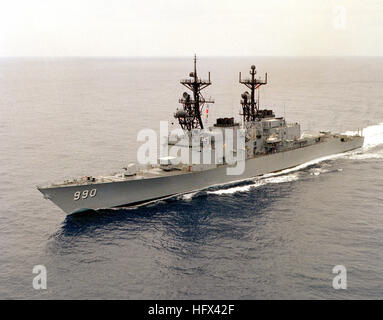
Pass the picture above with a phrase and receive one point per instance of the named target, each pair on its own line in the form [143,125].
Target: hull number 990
[85,194]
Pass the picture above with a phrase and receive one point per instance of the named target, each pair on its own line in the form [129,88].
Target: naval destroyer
[270,144]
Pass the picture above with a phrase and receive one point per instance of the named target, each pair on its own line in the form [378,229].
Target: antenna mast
[190,116]
[250,108]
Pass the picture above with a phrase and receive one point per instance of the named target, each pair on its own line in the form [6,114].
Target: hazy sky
[180,28]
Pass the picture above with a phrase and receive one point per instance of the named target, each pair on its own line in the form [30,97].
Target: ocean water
[275,237]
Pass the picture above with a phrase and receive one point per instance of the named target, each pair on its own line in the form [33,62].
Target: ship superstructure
[270,144]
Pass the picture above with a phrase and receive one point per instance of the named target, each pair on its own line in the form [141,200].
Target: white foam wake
[258,182]
[373,138]
[281,179]
[236,189]
[373,135]
[188,196]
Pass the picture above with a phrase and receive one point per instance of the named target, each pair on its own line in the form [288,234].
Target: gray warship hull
[141,189]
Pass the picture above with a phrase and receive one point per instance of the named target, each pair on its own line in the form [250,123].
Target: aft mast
[250,108]
[190,116]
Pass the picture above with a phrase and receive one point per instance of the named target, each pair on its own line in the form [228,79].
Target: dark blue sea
[276,237]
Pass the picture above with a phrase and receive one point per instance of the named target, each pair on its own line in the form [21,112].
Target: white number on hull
[93,192]
[78,194]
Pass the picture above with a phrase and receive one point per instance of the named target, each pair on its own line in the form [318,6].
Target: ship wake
[373,144]
[257,182]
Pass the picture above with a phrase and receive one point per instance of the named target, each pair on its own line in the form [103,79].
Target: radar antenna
[190,116]
[250,108]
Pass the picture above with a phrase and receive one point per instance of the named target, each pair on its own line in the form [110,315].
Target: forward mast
[190,116]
